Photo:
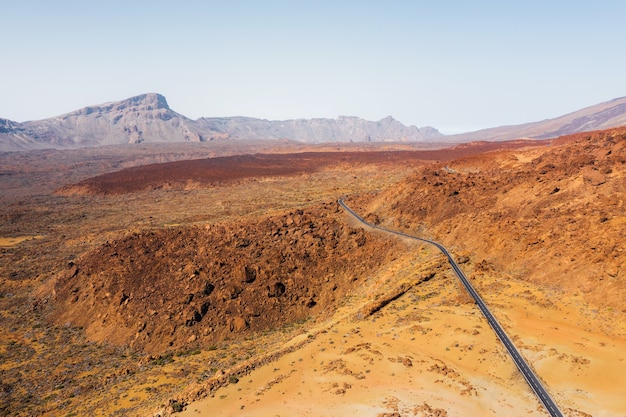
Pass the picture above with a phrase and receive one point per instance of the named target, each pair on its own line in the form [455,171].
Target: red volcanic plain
[226,170]
[216,284]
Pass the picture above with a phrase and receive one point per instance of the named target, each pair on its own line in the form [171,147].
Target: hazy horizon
[454,66]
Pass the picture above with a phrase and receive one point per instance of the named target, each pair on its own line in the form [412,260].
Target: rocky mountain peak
[7,125]
[140,103]
[151,101]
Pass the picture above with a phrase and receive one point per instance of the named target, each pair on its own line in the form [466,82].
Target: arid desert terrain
[207,280]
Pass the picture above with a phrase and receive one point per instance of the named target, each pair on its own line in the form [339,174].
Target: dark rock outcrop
[194,286]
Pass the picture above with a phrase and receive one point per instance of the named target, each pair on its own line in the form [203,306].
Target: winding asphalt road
[521,364]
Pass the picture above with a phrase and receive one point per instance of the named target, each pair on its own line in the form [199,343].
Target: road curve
[521,364]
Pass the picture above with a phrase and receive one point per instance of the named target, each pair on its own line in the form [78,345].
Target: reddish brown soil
[197,258]
[229,169]
[50,370]
[190,287]
[555,216]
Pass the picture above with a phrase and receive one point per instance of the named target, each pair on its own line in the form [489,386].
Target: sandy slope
[431,353]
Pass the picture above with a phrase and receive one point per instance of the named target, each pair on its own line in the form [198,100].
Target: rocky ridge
[144,118]
[147,118]
[606,115]
[342,129]
[525,210]
[185,287]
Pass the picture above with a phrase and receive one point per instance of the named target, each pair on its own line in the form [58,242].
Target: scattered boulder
[208,288]
[276,290]
[593,177]
[238,324]
[248,274]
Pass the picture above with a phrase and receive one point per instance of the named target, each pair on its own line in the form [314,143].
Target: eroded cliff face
[555,216]
[147,118]
[178,288]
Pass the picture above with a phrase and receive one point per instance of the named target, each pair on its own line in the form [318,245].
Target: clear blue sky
[454,65]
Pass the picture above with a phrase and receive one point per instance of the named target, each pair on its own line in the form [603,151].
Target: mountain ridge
[605,115]
[148,118]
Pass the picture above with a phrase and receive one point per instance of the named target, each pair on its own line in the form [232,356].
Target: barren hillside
[236,286]
[539,231]
[610,114]
[553,216]
[188,288]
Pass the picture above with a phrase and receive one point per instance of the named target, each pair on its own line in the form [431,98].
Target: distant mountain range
[600,116]
[148,118]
